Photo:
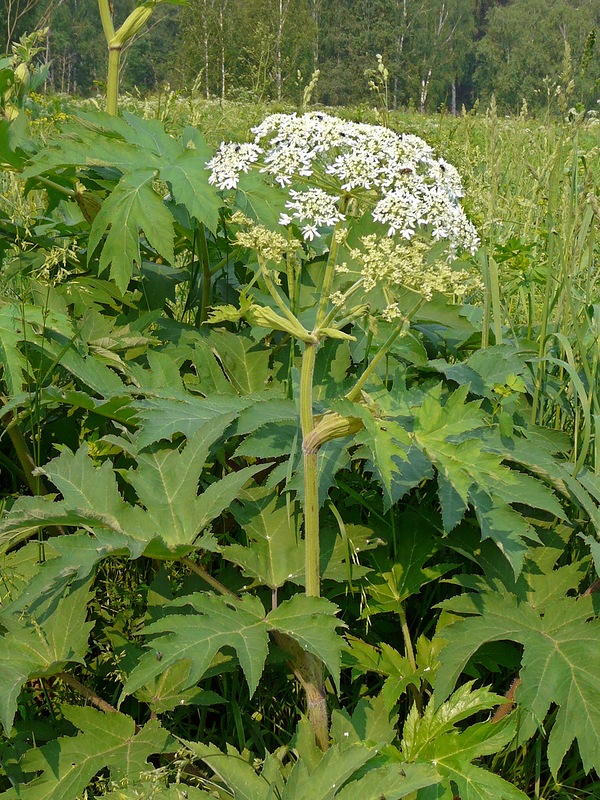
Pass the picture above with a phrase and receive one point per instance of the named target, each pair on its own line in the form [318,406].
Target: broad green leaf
[22,323]
[69,763]
[213,622]
[323,776]
[151,789]
[420,733]
[453,753]
[73,557]
[166,481]
[312,622]
[558,667]
[245,363]
[393,583]
[270,441]
[390,455]
[169,690]
[10,133]
[323,782]
[255,416]
[386,661]
[392,781]
[240,776]
[40,644]
[275,550]
[433,739]
[162,372]
[12,361]
[374,721]
[148,135]
[189,182]
[260,201]
[450,432]
[84,485]
[161,417]
[135,205]
[85,143]
[594,546]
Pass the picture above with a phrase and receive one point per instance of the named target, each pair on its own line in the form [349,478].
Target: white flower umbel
[395,177]
[230,160]
[312,209]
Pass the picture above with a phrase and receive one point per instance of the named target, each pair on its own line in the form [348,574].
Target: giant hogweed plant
[244,457]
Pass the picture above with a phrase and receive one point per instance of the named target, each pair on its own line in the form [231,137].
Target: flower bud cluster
[403,265]
[268,245]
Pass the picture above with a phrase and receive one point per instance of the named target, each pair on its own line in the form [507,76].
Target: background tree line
[450,52]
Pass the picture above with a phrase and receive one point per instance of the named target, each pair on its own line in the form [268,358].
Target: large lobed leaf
[415,431]
[141,151]
[40,644]
[170,515]
[343,772]
[207,623]
[560,651]
[69,763]
[433,738]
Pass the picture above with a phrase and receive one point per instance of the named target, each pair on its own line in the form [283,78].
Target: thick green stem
[23,454]
[57,187]
[312,679]
[106,18]
[206,276]
[112,82]
[114,57]
[329,271]
[311,477]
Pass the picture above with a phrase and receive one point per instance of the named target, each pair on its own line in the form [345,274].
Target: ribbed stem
[311,476]
[206,276]
[112,82]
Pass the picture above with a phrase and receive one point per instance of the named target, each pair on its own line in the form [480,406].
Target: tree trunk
[424,91]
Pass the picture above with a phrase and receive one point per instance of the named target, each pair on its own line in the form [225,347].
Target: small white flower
[229,161]
[310,232]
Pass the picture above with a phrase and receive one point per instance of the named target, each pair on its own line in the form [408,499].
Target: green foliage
[41,644]
[68,764]
[218,622]
[153,551]
[173,515]
[558,641]
[101,141]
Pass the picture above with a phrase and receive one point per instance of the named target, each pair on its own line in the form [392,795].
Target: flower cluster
[229,161]
[312,209]
[267,244]
[402,265]
[395,175]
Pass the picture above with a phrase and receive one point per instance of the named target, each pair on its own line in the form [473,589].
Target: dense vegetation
[300,447]
[438,52]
